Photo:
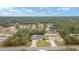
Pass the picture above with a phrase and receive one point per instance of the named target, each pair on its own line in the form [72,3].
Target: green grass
[42,43]
[60,43]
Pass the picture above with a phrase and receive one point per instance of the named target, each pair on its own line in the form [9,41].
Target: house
[40,25]
[9,30]
[46,29]
[49,25]
[29,26]
[52,35]
[3,38]
[33,27]
[22,26]
[37,37]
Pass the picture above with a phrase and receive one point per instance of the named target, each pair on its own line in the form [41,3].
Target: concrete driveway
[51,40]
[52,43]
[34,43]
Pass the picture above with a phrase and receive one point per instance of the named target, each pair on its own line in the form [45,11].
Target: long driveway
[34,43]
[52,43]
[51,40]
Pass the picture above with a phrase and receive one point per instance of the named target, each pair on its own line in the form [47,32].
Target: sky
[39,11]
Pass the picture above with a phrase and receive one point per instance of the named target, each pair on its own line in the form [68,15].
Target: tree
[72,29]
[22,37]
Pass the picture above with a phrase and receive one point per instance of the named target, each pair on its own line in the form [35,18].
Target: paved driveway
[34,43]
[51,40]
[52,43]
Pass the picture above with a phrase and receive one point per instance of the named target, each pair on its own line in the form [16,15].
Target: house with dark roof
[51,31]
[53,34]
[37,37]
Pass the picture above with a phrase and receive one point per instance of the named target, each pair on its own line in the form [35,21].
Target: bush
[60,43]
[71,40]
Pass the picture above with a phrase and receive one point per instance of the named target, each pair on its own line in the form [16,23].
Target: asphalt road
[31,48]
[24,48]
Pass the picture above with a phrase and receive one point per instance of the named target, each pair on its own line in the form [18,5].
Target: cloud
[39,11]
[41,8]
[63,9]
[27,10]
[24,11]
[15,11]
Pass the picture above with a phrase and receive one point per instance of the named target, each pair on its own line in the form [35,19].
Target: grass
[42,43]
[60,43]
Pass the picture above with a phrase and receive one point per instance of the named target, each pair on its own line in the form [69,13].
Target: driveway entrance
[51,40]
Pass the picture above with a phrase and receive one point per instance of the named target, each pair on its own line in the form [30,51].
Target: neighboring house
[29,26]
[33,27]
[46,29]
[7,32]
[52,35]
[49,25]
[37,37]
[22,26]
[3,37]
[40,25]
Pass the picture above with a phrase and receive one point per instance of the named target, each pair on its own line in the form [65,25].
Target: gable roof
[37,37]
[51,31]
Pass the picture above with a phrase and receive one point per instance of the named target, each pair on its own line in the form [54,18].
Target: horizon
[39,16]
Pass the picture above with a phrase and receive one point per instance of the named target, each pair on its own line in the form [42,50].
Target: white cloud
[27,10]
[63,9]
[41,8]
[15,11]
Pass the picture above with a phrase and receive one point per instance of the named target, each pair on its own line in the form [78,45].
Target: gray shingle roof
[51,31]
[37,37]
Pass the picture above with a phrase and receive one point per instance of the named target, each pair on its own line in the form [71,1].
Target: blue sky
[39,11]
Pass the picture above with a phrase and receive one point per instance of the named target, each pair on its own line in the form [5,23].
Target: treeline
[25,20]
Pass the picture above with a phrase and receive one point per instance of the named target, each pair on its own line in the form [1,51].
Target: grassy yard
[42,43]
[60,43]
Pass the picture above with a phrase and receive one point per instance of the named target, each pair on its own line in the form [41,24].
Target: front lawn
[60,43]
[42,43]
